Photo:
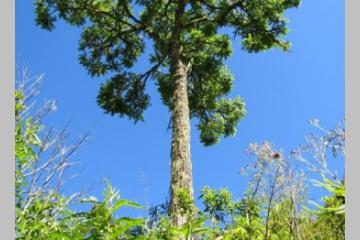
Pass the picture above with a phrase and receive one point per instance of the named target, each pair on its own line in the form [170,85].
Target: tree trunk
[181,167]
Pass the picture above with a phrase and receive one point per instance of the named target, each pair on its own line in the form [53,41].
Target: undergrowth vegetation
[275,206]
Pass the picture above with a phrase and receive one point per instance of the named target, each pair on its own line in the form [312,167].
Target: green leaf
[124,203]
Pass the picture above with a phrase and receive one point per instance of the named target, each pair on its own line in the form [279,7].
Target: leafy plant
[42,210]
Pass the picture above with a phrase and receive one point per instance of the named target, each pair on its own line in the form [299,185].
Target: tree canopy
[113,38]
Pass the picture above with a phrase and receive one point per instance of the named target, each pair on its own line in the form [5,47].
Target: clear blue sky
[282,92]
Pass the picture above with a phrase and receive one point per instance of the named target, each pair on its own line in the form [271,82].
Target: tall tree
[188,53]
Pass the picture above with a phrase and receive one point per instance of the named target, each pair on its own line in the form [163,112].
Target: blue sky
[282,92]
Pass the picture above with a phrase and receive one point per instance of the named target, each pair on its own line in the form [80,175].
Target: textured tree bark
[181,166]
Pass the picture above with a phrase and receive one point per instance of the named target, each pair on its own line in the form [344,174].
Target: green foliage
[40,219]
[247,222]
[36,212]
[193,227]
[221,120]
[25,137]
[46,213]
[335,203]
[217,204]
[113,38]
[186,203]
[124,94]
[330,218]
[100,222]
